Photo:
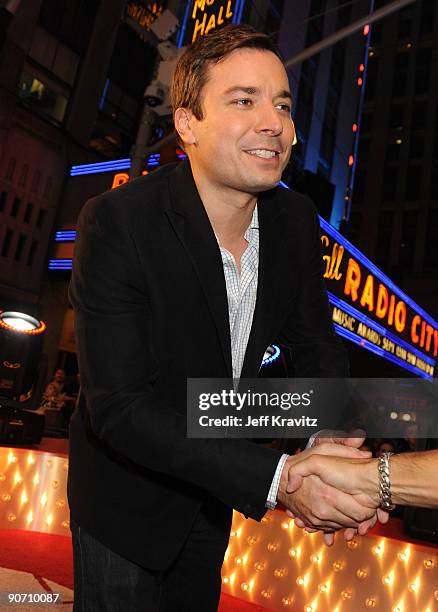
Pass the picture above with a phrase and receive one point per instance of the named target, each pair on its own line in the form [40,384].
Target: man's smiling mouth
[265,153]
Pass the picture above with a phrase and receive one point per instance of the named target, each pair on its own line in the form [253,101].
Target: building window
[416,147]
[10,169]
[23,176]
[7,242]
[396,116]
[359,184]
[71,21]
[15,207]
[28,213]
[40,217]
[32,252]
[20,246]
[54,56]
[431,252]
[434,182]
[48,188]
[423,69]
[42,97]
[413,183]
[371,78]
[400,74]
[393,151]
[384,237]
[408,238]
[419,115]
[390,178]
[36,181]
[427,19]
[363,150]
[366,122]
[3,200]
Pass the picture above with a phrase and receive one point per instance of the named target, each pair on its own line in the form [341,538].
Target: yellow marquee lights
[33,491]
[272,563]
[285,568]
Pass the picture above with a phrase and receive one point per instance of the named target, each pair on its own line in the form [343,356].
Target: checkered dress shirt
[242,293]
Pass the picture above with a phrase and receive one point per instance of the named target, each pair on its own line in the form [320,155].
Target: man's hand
[355,477]
[321,506]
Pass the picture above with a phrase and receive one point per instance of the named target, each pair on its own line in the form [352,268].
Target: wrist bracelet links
[385,483]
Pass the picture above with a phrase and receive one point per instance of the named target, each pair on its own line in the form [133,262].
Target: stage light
[22,377]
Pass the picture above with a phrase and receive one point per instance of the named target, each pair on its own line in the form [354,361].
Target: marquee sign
[202,16]
[369,309]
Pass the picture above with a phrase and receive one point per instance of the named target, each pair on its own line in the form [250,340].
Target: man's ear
[183,119]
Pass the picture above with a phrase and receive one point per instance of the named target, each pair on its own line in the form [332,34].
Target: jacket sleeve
[112,323]
[308,330]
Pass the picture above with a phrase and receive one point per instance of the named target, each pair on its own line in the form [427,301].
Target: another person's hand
[356,477]
[321,506]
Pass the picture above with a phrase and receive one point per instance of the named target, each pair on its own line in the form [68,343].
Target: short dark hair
[190,74]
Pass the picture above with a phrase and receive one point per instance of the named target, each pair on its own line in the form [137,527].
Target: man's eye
[243,102]
[284,107]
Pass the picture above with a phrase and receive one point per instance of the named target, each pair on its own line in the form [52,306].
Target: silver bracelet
[385,483]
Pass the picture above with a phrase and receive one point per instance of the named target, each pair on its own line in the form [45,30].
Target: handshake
[332,486]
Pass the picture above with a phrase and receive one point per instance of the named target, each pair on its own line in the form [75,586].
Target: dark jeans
[106,582]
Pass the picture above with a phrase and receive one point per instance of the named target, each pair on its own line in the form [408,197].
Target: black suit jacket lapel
[271,275]
[192,225]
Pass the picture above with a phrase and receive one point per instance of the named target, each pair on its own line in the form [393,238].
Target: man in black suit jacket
[151,509]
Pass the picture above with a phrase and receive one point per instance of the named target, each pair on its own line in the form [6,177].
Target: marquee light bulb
[388,579]
[294,553]
[370,602]
[287,601]
[404,556]
[266,593]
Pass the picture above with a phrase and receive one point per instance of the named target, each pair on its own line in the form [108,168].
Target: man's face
[59,375]
[245,138]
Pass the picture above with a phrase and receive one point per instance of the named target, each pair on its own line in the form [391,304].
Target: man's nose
[269,120]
